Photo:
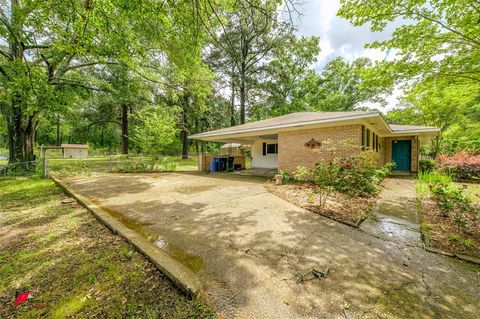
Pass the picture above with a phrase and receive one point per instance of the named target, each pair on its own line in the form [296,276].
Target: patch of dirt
[446,234]
[340,207]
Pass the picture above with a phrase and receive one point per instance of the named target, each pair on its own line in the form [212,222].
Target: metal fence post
[45,167]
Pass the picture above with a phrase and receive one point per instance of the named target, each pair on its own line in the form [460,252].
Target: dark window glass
[368,137]
[363,136]
[272,148]
[264,149]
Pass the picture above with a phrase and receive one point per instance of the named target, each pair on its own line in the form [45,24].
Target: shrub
[361,175]
[426,166]
[286,178]
[460,166]
[325,178]
[450,199]
[302,174]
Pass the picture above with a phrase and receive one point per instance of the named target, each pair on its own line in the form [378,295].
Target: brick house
[297,139]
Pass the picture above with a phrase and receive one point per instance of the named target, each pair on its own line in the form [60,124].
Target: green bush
[426,166]
[361,175]
[286,178]
[302,174]
[451,199]
[354,176]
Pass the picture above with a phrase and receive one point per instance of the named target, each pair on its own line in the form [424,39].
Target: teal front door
[401,155]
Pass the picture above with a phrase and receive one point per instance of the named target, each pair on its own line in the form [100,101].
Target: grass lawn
[474,191]
[73,265]
[104,164]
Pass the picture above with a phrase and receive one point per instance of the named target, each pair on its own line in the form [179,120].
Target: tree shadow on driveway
[249,247]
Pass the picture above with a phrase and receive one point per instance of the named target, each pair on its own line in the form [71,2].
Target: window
[272,148]
[368,137]
[363,137]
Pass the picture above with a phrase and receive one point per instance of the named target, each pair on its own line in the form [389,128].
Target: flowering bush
[460,166]
[359,175]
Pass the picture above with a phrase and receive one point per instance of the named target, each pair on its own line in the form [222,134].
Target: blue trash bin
[218,164]
[213,166]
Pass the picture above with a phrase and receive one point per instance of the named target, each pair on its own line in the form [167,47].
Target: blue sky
[339,38]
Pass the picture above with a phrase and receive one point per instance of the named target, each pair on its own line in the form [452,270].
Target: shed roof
[74,146]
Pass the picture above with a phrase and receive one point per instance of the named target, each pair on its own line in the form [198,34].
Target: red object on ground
[22,298]
[348,165]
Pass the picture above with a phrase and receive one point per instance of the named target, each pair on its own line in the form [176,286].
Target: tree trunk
[242,99]
[124,129]
[21,137]
[184,131]
[58,130]
[232,100]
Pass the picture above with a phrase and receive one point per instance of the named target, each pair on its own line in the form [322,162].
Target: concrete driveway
[249,247]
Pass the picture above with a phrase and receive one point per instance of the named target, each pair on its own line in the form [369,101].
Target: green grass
[472,190]
[73,265]
[117,163]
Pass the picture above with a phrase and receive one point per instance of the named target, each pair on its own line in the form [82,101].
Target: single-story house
[288,141]
[74,150]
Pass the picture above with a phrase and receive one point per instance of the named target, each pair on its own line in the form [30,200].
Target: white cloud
[339,38]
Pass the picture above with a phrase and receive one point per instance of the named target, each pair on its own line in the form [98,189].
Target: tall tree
[289,83]
[51,44]
[440,104]
[438,38]
[346,85]
[246,40]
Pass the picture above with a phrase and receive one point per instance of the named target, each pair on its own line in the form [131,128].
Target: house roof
[301,119]
[74,146]
[292,119]
[403,128]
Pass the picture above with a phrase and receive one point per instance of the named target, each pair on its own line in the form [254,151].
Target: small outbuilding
[233,149]
[74,150]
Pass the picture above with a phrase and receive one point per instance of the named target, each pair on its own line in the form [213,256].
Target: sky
[339,38]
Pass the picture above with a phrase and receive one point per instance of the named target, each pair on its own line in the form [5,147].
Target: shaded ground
[73,265]
[249,246]
[456,232]
[340,207]
[395,215]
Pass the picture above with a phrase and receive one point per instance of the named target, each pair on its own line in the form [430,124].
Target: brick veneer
[292,151]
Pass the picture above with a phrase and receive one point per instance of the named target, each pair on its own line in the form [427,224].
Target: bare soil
[340,207]
[446,234]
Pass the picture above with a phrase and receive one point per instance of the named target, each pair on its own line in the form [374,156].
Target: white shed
[75,150]
[233,149]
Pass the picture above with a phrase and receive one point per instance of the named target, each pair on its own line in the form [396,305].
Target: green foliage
[451,199]
[286,177]
[426,166]
[157,131]
[302,174]
[359,175]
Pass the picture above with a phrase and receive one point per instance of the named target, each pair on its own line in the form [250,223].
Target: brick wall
[292,151]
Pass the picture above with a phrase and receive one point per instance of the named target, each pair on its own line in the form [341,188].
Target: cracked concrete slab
[395,215]
[249,246]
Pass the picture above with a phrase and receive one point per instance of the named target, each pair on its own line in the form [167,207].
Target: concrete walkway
[249,247]
[395,217]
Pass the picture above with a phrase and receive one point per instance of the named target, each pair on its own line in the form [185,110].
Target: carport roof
[301,119]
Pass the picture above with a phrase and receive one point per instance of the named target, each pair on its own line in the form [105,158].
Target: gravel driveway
[249,247]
